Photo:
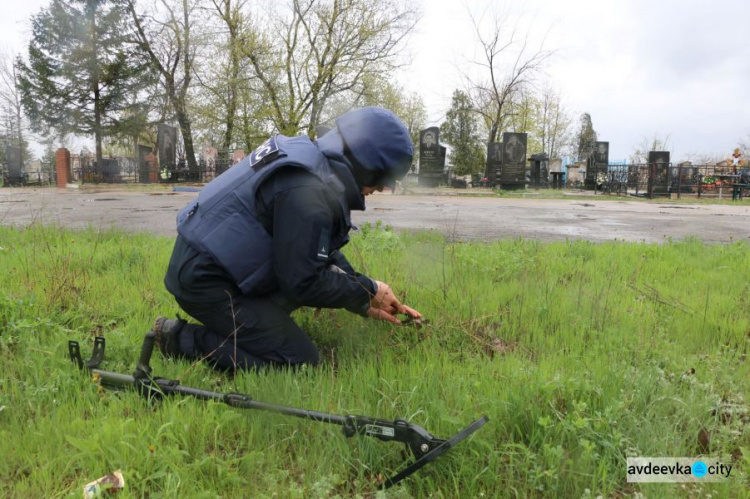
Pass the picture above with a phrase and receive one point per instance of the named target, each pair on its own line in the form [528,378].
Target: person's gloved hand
[385,306]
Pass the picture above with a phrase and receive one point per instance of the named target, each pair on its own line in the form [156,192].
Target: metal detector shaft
[142,376]
[422,444]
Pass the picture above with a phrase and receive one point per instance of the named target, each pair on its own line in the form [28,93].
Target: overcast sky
[676,68]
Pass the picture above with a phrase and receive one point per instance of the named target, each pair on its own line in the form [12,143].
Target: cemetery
[161,164]
[510,167]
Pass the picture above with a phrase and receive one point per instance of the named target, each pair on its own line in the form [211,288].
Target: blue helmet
[376,143]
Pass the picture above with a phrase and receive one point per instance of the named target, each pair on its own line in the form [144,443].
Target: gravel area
[454,213]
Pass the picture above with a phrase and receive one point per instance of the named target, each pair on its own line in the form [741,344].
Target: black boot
[167,331]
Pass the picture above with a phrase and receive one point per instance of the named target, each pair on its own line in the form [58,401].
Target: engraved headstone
[539,170]
[15,165]
[109,170]
[597,165]
[431,157]
[166,145]
[494,162]
[658,181]
[13,159]
[513,174]
[601,154]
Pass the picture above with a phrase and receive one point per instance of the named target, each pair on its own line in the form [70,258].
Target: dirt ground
[454,214]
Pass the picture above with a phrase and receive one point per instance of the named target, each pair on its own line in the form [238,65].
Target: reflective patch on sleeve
[264,153]
[324,244]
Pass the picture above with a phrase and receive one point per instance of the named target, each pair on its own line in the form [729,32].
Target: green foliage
[461,131]
[581,354]
[524,118]
[83,73]
[312,56]
[553,123]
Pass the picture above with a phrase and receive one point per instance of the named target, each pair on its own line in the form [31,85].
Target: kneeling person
[263,239]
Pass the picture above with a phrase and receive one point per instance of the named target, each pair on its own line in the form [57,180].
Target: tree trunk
[187,137]
[231,111]
[97,94]
[233,77]
[493,133]
[98,124]
[246,127]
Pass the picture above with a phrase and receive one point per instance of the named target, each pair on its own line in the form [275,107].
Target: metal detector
[424,447]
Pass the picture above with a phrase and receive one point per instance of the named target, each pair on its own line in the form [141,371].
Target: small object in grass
[417,322]
[108,484]
[704,441]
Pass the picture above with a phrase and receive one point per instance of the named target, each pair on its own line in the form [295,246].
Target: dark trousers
[246,333]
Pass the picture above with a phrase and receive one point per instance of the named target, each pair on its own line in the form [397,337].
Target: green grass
[581,354]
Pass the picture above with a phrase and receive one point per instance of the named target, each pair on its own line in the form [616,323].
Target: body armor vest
[222,222]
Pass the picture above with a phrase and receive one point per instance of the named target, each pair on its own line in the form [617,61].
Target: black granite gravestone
[494,162]
[14,161]
[166,144]
[513,174]
[597,164]
[431,157]
[539,170]
[601,154]
[658,178]
[110,170]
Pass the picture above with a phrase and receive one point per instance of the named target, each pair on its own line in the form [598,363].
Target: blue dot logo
[699,469]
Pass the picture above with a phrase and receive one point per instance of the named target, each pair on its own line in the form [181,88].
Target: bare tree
[324,48]
[510,65]
[227,91]
[168,39]
[554,123]
[655,143]
[229,101]
[12,120]
[522,115]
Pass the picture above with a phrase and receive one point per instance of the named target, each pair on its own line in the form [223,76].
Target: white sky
[677,68]
[672,67]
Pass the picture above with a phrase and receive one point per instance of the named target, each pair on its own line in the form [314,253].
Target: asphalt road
[479,218]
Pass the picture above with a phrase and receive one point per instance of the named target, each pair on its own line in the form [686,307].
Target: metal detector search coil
[424,447]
